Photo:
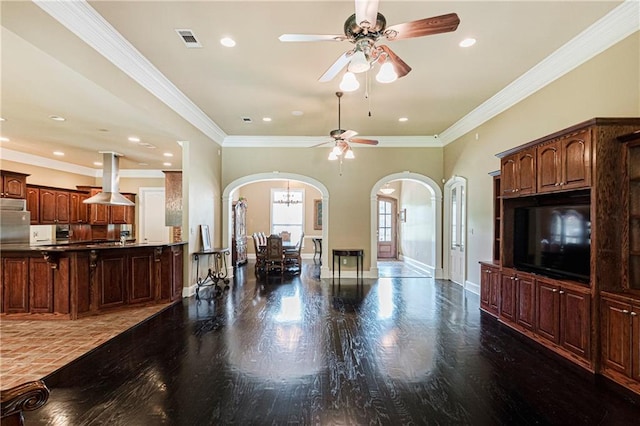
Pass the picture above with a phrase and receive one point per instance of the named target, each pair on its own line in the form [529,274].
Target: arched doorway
[435,211]
[259,177]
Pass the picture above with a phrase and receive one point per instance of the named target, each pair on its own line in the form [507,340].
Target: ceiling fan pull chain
[367,94]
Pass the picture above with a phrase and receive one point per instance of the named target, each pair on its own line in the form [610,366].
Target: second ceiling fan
[364,28]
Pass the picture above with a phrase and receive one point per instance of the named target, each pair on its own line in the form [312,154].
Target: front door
[387,211]
[457,232]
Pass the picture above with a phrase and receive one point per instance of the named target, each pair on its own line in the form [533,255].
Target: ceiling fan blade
[400,66]
[423,27]
[322,143]
[337,66]
[364,141]
[366,12]
[348,134]
[311,37]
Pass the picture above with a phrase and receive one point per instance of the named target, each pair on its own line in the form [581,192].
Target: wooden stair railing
[25,397]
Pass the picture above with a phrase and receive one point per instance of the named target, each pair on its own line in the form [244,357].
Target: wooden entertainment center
[591,319]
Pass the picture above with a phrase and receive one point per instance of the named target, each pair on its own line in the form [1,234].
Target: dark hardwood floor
[303,351]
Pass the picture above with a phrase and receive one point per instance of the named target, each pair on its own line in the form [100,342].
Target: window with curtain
[287,212]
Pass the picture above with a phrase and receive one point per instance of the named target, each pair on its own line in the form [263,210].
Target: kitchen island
[75,280]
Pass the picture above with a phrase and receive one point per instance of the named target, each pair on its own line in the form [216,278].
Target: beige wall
[606,86]
[48,177]
[349,193]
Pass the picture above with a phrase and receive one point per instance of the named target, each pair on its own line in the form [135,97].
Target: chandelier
[288,197]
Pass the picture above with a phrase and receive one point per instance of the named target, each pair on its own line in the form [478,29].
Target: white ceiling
[144,82]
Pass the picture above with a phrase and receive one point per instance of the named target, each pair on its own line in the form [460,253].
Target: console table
[215,274]
[357,253]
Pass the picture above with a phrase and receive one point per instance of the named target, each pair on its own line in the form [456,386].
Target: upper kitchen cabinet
[14,185]
[33,204]
[55,206]
[123,214]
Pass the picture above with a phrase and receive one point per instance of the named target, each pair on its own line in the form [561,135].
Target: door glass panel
[454,217]
[384,221]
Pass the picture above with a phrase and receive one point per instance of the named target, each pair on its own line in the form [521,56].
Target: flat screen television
[553,240]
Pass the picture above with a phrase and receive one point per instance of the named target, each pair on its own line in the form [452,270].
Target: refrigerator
[14,221]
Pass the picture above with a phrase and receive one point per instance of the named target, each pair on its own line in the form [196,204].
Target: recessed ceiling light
[97,163]
[134,139]
[3,119]
[227,42]
[166,164]
[3,139]
[297,113]
[403,119]
[467,42]
[58,153]
[266,119]
[168,154]
[143,164]
[56,118]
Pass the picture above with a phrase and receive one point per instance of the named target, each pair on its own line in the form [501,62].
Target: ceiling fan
[364,28]
[342,138]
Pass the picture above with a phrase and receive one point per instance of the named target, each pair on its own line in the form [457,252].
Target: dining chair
[293,257]
[260,253]
[274,255]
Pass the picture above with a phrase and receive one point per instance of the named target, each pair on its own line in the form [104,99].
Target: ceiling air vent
[246,120]
[189,38]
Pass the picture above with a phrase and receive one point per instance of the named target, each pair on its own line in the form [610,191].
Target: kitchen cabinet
[15,285]
[525,300]
[621,339]
[54,206]
[564,315]
[171,281]
[123,214]
[13,184]
[33,204]
[518,173]
[79,212]
[565,163]
[489,288]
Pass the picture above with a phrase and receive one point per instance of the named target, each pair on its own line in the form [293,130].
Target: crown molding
[82,20]
[48,163]
[612,28]
[310,141]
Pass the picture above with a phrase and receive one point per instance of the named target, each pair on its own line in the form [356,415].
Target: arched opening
[434,213]
[227,204]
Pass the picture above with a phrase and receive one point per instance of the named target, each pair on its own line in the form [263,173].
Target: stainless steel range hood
[110,194]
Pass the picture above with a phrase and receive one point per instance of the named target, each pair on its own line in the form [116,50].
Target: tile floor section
[32,349]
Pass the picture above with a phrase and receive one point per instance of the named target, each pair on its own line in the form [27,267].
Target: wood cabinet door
[508,173]
[40,286]
[549,174]
[616,335]
[635,343]
[485,284]
[15,285]
[123,214]
[47,206]
[141,276]
[33,204]
[494,291]
[508,297]
[110,280]
[99,214]
[576,161]
[526,296]
[526,168]
[74,207]
[63,207]
[548,310]
[14,186]
[575,322]
[83,209]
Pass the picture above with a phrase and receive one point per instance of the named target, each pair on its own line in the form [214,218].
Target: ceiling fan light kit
[364,28]
[349,82]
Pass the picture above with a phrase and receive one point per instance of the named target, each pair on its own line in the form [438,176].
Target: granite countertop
[89,245]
